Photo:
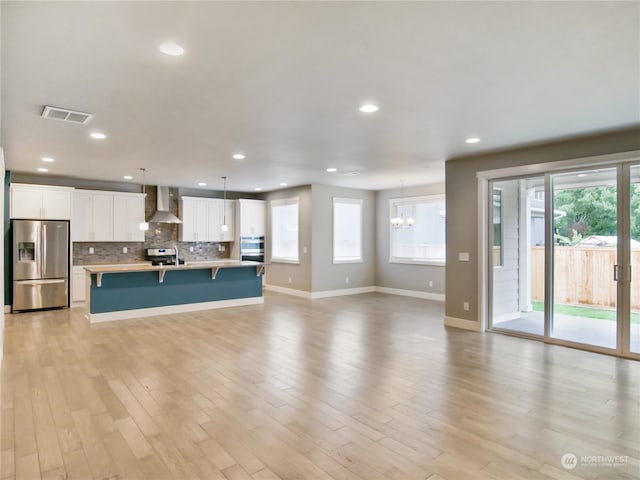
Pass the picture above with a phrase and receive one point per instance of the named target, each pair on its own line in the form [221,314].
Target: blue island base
[125,295]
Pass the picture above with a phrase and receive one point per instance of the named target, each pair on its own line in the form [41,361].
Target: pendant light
[144,225]
[224,227]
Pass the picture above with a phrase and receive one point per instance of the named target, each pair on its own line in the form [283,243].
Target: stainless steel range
[164,256]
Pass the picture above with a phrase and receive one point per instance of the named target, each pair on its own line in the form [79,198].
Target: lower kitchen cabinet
[78,285]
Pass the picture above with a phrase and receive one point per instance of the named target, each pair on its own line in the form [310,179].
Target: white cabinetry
[100,216]
[40,202]
[195,221]
[202,219]
[251,215]
[78,285]
[128,213]
[92,219]
[219,213]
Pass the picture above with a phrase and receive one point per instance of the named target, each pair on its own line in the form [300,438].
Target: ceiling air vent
[66,115]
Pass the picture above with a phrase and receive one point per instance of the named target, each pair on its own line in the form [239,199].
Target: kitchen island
[118,292]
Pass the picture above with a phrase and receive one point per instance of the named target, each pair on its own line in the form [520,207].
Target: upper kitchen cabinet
[92,219]
[40,202]
[194,214]
[128,214]
[221,211]
[251,216]
[100,216]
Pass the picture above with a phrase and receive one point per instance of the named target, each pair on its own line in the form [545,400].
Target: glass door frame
[623,164]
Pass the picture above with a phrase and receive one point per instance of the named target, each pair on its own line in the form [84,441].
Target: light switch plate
[463,256]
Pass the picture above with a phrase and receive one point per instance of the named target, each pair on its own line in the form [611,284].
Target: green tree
[589,211]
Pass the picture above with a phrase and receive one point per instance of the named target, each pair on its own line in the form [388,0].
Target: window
[424,241]
[497,227]
[284,230]
[347,230]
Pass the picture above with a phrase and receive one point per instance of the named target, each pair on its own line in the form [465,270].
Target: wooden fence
[583,276]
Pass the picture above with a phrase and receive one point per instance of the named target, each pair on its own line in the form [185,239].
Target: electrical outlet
[221,247]
[346,279]
[431,283]
[465,306]
[463,256]
[304,249]
[125,249]
[91,251]
[290,280]
[191,249]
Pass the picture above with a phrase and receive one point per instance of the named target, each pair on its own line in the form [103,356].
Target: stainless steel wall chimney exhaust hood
[163,215]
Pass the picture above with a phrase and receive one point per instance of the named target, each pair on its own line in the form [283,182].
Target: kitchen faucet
[177,258]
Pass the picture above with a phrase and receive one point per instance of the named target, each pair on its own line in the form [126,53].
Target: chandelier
[399,221]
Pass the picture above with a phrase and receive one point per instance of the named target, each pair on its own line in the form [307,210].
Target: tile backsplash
[112,252]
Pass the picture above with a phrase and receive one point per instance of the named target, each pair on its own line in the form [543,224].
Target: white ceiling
[282,83]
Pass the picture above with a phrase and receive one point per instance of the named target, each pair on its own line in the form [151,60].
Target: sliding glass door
[564,257]
[634,260]
[585,255]
[517,255]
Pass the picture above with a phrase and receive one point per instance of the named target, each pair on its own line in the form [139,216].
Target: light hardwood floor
[368,387]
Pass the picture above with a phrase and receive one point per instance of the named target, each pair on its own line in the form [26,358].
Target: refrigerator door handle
[44,249]
[40,282]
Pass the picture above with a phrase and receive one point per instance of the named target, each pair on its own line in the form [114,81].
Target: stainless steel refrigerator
[40,264]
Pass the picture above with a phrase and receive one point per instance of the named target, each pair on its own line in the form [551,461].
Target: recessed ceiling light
[48,159]
[283,184]
[98,135]
[331,169]
[369,108]
[128,177]
[43,169]
[171,48]
[257,189]
[472,140]
[202,184]
[238,156]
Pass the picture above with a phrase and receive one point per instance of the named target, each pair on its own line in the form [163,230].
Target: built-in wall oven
[252,249]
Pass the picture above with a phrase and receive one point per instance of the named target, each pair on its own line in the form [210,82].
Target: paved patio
[590,331]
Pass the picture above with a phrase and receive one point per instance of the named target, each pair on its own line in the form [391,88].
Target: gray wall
[462,212]
[278,274]
[397,275]
[325,275]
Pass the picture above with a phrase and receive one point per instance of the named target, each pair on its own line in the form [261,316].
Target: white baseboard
[439,297]
[7,309]
[342,292]
[171,309]
[288,291]
[462,323]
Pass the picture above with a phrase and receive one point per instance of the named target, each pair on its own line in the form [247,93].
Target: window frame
[281,203]
[393,203]
[349,201]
